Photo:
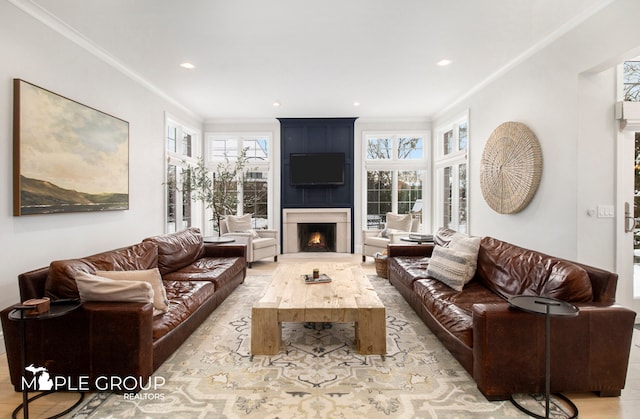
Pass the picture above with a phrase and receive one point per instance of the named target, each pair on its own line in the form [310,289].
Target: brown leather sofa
[123,339]
[502,347]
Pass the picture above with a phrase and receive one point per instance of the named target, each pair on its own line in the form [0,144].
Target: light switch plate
[606,211]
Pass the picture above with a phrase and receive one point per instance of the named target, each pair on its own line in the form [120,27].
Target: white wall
[565,93]
[37,54]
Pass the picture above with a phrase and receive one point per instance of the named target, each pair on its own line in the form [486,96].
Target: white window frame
[181,162]
[395,164]
[266,165]
[454,159]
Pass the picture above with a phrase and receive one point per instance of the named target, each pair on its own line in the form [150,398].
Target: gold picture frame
[67,157]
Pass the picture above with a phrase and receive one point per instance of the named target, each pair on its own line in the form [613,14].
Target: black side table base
[46,393]
[561,405]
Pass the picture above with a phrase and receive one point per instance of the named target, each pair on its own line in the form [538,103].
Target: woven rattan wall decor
[510,168]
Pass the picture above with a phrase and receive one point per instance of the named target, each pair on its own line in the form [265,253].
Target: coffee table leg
[266,332]
[371,331]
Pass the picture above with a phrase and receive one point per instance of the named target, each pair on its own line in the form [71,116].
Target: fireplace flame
[316,238]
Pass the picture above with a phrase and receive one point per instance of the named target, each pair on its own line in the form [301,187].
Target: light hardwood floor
[590,406]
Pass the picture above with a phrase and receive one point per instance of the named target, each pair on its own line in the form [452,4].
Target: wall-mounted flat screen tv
[316,169]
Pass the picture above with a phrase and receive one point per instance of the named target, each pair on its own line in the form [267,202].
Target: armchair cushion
[399,222]
[385,233]
[238,223]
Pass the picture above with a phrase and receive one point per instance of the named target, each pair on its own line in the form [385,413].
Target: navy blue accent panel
[317,135]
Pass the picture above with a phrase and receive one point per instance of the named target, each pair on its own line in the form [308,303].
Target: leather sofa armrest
[120,339]
[591,349]
[98,339]
[410,250]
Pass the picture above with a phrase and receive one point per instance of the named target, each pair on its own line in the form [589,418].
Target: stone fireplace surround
[292,216]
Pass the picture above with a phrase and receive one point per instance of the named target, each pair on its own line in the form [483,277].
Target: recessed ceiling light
[276,104]
[356,103]
[188,66]
[444,62]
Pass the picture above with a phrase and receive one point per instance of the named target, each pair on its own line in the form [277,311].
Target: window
[631,75]
[451,168]
[254,189]
[396,169]
[181,211]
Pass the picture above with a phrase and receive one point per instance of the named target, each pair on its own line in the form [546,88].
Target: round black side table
[549,307]
[218,239]
[20,313]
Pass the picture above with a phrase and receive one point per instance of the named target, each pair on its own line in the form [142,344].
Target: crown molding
[538,46]
[46,18]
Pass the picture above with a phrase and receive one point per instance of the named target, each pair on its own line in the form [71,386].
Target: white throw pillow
[399,222]
[236,224]
[451,267]
[467,244]
[152,276]
[95,288]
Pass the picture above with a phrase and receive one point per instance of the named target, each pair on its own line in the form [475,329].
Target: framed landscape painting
[67,157]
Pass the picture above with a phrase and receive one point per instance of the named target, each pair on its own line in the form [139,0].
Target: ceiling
[316,57]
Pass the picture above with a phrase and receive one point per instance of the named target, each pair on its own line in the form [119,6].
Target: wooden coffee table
[349,297]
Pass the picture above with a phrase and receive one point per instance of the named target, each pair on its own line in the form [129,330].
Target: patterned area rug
[318,373]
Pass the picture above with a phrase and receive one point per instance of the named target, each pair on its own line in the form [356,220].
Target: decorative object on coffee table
[510,168]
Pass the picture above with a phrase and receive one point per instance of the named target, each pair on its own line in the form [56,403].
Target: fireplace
[317,237]
[333,223]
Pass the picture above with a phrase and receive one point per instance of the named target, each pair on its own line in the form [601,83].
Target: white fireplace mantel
[291,217]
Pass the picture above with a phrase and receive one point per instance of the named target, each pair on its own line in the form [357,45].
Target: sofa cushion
[151,276]
[510,270]
[213,269]
[185,298]
[409,268]
[177,250]
[61,284]
[452,267]
[451,308]
[96,288]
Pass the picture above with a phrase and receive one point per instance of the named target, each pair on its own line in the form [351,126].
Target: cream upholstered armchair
[260,243]
[396,226]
